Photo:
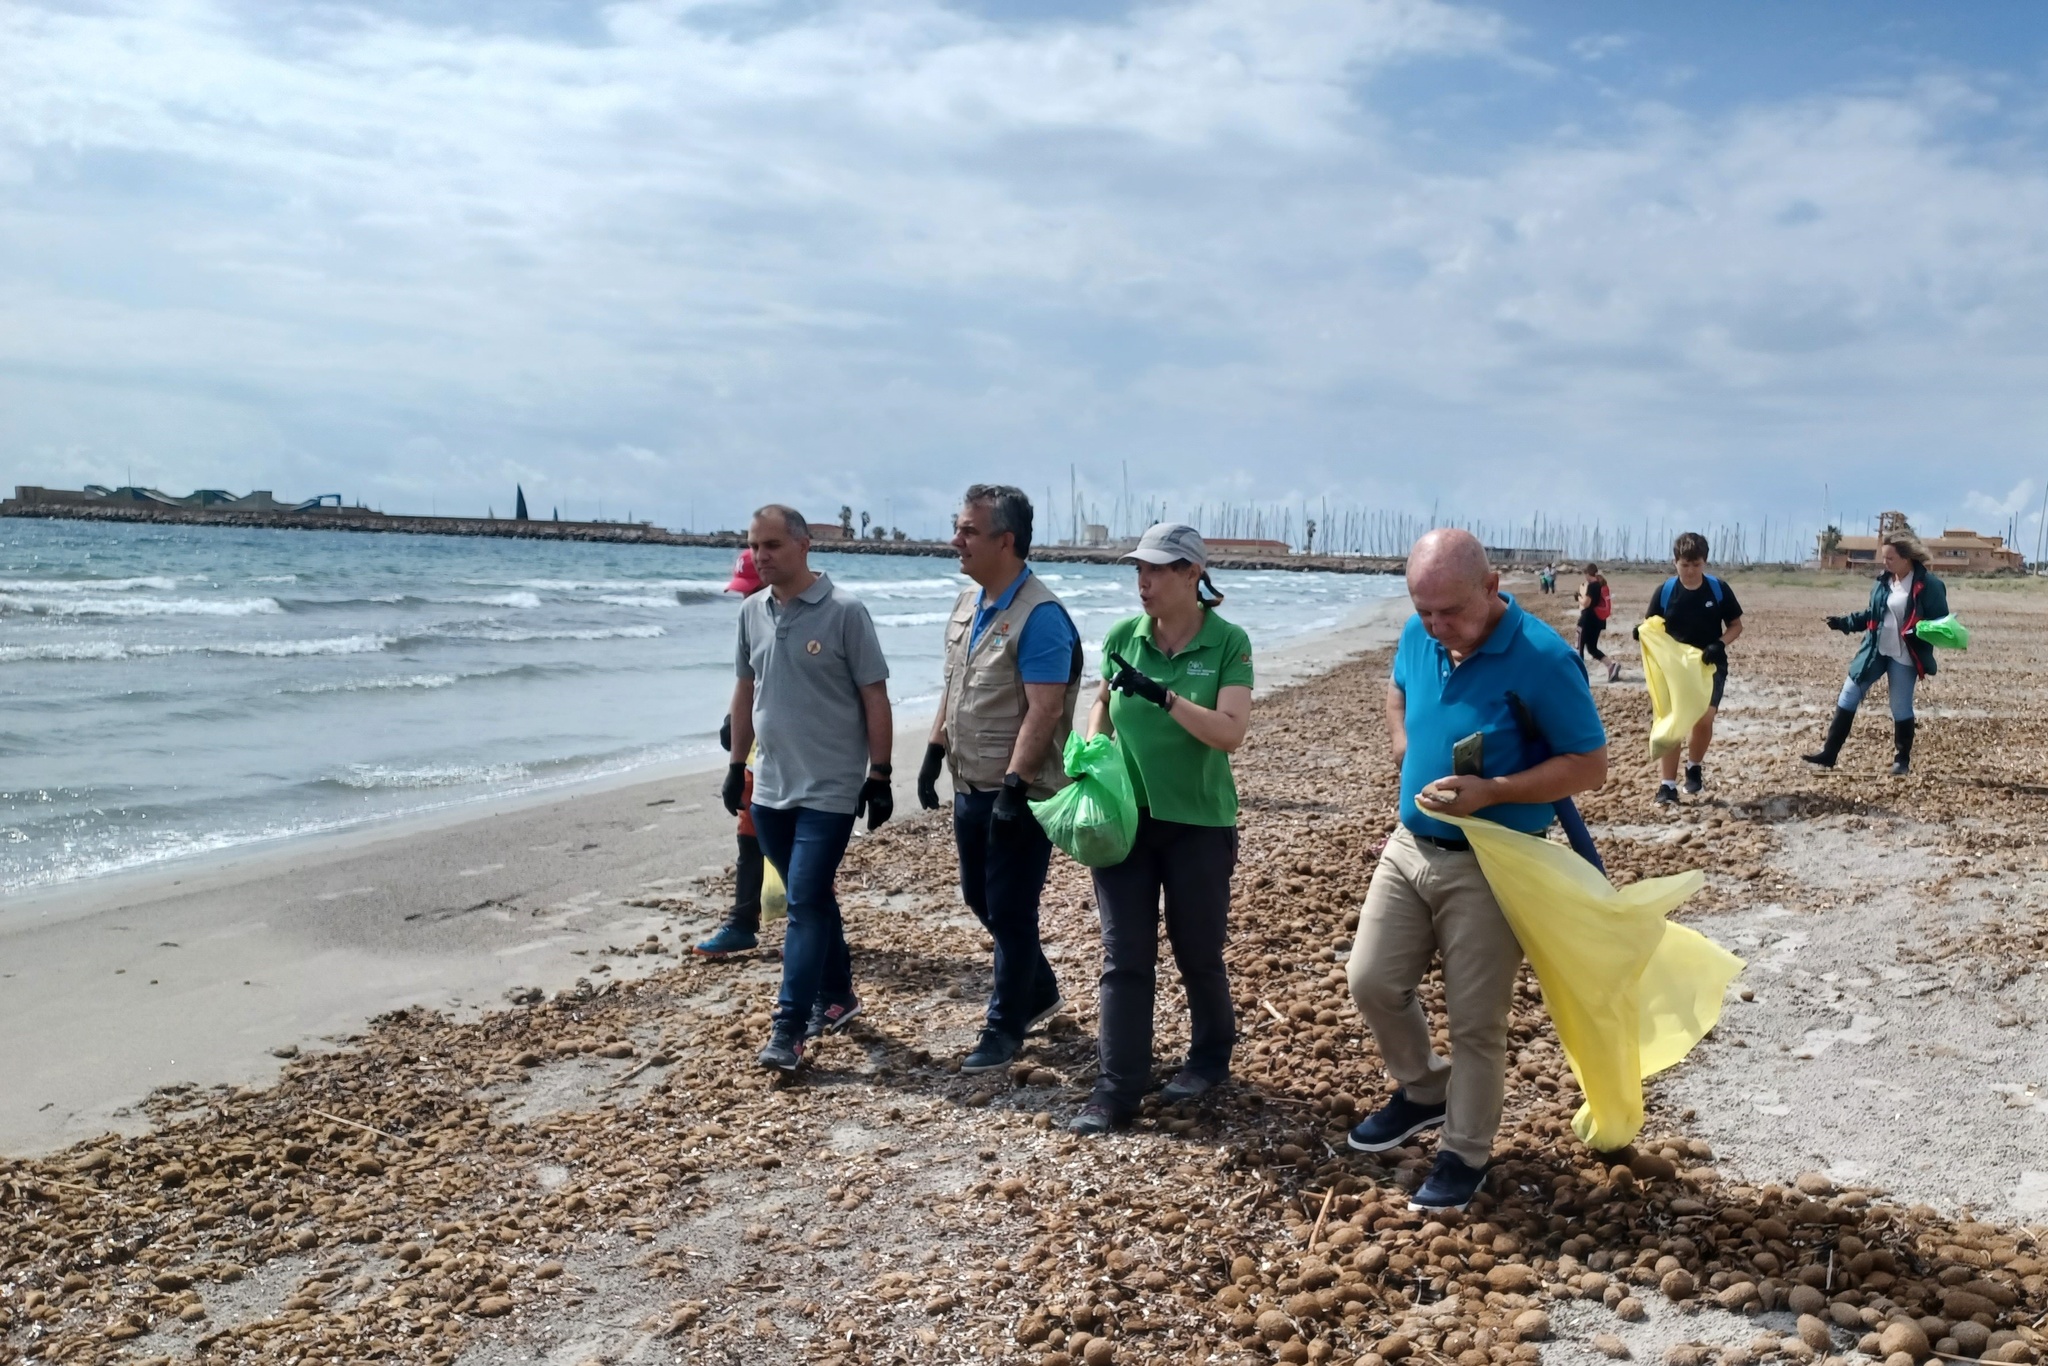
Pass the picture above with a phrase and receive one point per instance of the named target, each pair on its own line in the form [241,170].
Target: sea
[167,692]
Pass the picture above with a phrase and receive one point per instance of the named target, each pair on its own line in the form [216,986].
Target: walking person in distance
[1177,694]
[1699,610]
[1596,605]
[1468,660]
[1905,594]
[1013,673]
[813,686]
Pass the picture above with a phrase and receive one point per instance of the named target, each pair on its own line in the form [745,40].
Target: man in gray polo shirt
[813,687]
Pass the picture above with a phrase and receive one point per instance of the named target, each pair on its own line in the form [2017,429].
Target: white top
[1890,644]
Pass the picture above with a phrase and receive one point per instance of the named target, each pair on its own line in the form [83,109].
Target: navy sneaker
[1394,1123]
[1695,779]
[728,939]
[1451,1184]
[784,1053]
[830,1017]
[995,1050]
[1667,794]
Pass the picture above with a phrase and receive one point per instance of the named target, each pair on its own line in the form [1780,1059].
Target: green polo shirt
[1177,776]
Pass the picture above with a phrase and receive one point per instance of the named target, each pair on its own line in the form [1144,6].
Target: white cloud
[891,244]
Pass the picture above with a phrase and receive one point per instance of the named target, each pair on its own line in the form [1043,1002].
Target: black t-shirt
[1595,592]
[1691,615]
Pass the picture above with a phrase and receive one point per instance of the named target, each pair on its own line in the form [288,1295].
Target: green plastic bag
[1946,632]
[1095,817]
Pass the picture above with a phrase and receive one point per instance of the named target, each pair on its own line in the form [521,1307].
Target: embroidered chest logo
[1200,669]
[812,647]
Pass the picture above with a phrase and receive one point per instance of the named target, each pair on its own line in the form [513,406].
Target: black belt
[1457,846]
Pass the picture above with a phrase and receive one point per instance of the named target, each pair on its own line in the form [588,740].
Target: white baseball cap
[1170,543]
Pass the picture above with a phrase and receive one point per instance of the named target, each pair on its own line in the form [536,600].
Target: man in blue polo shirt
[1463,656]
[1013,671]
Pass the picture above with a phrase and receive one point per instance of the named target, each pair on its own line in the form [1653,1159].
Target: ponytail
[1214,597]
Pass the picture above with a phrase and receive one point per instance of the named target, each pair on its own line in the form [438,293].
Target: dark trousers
[1191,866]
[1002,874]
[746,885]
[805,846]
[1590,628]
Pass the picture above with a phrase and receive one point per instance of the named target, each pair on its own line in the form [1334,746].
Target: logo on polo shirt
[812,647]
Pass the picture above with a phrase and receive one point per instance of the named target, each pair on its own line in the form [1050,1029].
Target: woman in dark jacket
[1905,595]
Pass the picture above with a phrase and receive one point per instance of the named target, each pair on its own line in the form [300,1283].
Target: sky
[1681,264]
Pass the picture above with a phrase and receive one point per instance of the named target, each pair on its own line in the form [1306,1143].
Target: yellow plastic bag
[1630,992]
[774,897]
[1681,686]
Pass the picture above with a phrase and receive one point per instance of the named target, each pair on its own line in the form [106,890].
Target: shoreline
[196,970]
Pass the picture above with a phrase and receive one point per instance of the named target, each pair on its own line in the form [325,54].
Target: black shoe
[784,1053]
[1095,1118]
[1695,779]
[1394,1123]
[1838,733]
[1667,794]
[1186,1085]
[830,1017]
[1041,1016]
[1451,1184]
[1902,747]
[995,1050]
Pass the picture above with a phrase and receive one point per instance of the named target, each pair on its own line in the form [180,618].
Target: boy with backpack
[1701,611]
[1596,605]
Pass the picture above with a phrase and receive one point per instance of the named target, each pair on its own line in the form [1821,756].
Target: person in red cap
[740,931]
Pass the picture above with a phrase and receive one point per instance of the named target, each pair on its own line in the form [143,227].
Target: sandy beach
[1849,1165]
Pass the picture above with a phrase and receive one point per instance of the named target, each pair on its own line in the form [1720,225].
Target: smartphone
[1468,756]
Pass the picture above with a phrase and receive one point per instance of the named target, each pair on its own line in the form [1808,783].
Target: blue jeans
[805,846]
[1002,873]
[1899,681]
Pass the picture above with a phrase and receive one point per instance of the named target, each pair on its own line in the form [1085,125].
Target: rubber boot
[1902,747]
[1838,731]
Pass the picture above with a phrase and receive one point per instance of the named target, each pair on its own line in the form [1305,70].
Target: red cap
[744,580]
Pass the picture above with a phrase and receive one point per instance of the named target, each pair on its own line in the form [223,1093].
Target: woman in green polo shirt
[1177,693]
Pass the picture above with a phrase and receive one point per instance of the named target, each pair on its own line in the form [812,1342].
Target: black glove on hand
[1010,801]
[1716,655]
[1131,683]
[1635,632]
[725,733]
[876,802]
[1840,624]
[735,790]
[928,777]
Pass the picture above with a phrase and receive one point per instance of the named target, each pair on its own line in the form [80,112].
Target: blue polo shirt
[1445,704]
[1045,647]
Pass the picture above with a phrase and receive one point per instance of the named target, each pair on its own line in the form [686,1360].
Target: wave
[157,581]
[607,585]
[372,776]
[140,607]
[275,578]
[524,600]
[519,637]
[97,650]
[380,684]
[633,600]
[913,618]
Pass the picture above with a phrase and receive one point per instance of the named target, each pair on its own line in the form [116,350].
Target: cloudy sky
[1606,260]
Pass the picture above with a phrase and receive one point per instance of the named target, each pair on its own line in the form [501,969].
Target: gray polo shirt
[809,659]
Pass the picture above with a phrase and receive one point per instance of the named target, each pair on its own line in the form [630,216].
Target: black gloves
[1128,681]
[876,802]
[1842,624]
[928,777]
[735,790]
[1636,632]
[725,733]
[1010,801]
[1716,655]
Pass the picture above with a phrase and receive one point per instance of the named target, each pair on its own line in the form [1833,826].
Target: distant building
[822,530]
[1237,545]
[1954,551]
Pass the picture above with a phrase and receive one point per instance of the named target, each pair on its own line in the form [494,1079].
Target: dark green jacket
[1927,601]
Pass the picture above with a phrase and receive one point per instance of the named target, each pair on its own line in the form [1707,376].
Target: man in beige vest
[1013,671]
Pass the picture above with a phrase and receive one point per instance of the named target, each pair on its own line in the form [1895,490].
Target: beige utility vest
[984,706]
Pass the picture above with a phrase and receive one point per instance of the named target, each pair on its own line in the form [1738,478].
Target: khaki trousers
[1425,900]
